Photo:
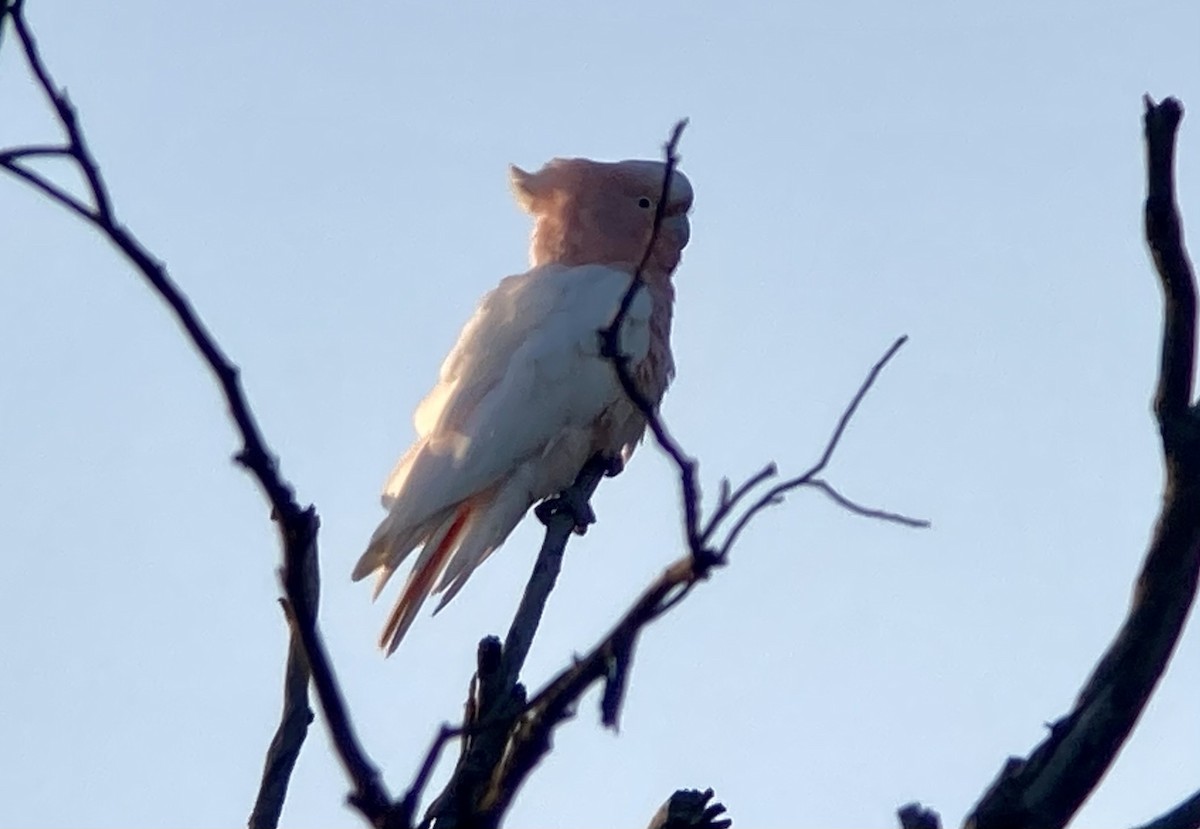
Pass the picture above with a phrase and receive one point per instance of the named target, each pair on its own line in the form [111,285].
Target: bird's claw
[616,465]
[568,502]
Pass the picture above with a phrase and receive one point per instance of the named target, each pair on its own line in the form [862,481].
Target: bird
[526,397]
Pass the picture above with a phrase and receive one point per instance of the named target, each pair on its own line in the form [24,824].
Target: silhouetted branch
[407,807]
[690,809]
[48,189]
[809,478]
[1165,239]
[559,527]
[916,816]
[36,151]
[821,485]
[611,348]
[295,719]
[287,742]
[698,537]
[1046,789]
[1184,816]
[609,662]
[497,698]
[727,500]
[297,525]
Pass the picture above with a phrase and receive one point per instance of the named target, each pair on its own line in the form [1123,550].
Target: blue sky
[329,186]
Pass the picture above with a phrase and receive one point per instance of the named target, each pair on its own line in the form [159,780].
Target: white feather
[525,368]
[512,417]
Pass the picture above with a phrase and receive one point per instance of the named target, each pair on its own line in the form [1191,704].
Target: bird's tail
[456,541]
[420,582]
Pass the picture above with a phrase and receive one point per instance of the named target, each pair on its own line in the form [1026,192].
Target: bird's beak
[676,230]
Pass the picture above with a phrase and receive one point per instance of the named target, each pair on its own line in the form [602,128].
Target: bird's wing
[525,367]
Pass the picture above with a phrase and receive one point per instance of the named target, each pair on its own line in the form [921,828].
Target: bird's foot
[616,465]
[569,502]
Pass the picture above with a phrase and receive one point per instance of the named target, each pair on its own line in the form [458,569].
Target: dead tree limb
[1184,816]
[916,816]
[691,809]
[297,525]
[1046,789]
[297,716]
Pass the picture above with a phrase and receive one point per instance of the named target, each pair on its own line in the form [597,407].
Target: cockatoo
[525,398]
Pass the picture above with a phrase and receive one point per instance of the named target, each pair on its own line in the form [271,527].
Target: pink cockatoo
[525,397]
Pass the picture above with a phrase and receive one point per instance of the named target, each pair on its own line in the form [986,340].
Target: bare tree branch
[407,807]
[64,110]
[609,662]
[691,809]
[294,721]
[611,348]
[497,698]
[36,151]
[545,573]
[809,478]
[287,742]
[1046,789]
[1164,235]
[298,526]
[1184,816]
[49,189]
[845,503]
[916,816]
[729,500]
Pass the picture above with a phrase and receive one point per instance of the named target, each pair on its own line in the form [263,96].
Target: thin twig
[609,661]
[50,190]
[36,151]
[852,409]
[775,494]
[729,501]
[407,806]
[610,340]
[865,511]
[66,112]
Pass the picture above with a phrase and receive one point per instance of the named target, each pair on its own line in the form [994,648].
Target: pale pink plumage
[525,399]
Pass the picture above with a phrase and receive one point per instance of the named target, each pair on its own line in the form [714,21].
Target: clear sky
[328,182]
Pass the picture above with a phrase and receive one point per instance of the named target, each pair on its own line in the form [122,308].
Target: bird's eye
[645,203]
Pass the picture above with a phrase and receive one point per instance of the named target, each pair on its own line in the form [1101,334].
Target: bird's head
[593,212]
